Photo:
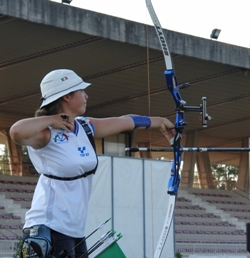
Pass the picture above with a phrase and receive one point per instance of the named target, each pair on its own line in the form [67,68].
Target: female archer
[58,137]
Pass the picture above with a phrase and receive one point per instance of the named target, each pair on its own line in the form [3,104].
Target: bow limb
[173,87]
[159,31]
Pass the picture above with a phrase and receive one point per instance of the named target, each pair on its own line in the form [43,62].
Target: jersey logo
[61,138]
[82,151]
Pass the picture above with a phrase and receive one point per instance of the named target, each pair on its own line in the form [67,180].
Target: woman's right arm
[34,131]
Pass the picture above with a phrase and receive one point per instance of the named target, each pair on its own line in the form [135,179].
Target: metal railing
[8,248]
[211,248]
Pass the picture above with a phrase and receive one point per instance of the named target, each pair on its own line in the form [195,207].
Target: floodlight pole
[249,168]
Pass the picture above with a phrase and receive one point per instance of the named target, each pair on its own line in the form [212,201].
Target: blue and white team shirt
[63,205]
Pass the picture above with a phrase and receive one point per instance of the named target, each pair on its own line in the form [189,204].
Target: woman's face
[79,102]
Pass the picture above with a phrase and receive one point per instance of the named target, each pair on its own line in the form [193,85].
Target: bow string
[180,123]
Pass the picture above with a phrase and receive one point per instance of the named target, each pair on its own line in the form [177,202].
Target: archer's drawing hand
[62,121]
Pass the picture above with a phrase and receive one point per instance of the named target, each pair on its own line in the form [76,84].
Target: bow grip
[173,87]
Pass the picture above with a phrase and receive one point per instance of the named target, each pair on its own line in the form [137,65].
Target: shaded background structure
[123,61]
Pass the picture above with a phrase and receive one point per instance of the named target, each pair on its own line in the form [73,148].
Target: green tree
[26,157]
[225,176]
[178,255]
[4,160]
[18,248]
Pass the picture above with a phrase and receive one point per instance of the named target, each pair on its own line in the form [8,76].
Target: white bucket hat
[59,83]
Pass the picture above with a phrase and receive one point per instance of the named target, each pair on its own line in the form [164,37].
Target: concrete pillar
[243,174]
[15,156]
[204,170]
[189,159]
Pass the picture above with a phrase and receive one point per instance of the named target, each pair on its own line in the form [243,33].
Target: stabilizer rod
[187,149]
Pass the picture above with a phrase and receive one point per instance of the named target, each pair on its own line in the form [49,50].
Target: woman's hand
[62,121]
[168,129]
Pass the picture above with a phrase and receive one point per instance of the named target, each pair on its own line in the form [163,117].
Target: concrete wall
[101,25]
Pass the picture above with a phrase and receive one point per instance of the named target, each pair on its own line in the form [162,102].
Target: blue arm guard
[141,121]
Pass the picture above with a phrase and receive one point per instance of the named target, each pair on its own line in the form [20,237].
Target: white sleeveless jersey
[63,205]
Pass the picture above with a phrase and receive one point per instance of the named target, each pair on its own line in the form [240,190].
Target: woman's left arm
[114,125]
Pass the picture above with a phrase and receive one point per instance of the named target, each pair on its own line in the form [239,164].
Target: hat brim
[81,86]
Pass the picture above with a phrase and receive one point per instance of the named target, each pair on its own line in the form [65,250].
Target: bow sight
[180,107]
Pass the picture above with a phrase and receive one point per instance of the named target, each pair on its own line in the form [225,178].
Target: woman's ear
[66,97]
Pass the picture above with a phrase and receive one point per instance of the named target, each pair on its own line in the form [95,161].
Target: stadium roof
[123,61]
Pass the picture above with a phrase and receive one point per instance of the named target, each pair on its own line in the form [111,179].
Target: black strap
[72,178]
[92,141]
[89,133]
[37,248]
